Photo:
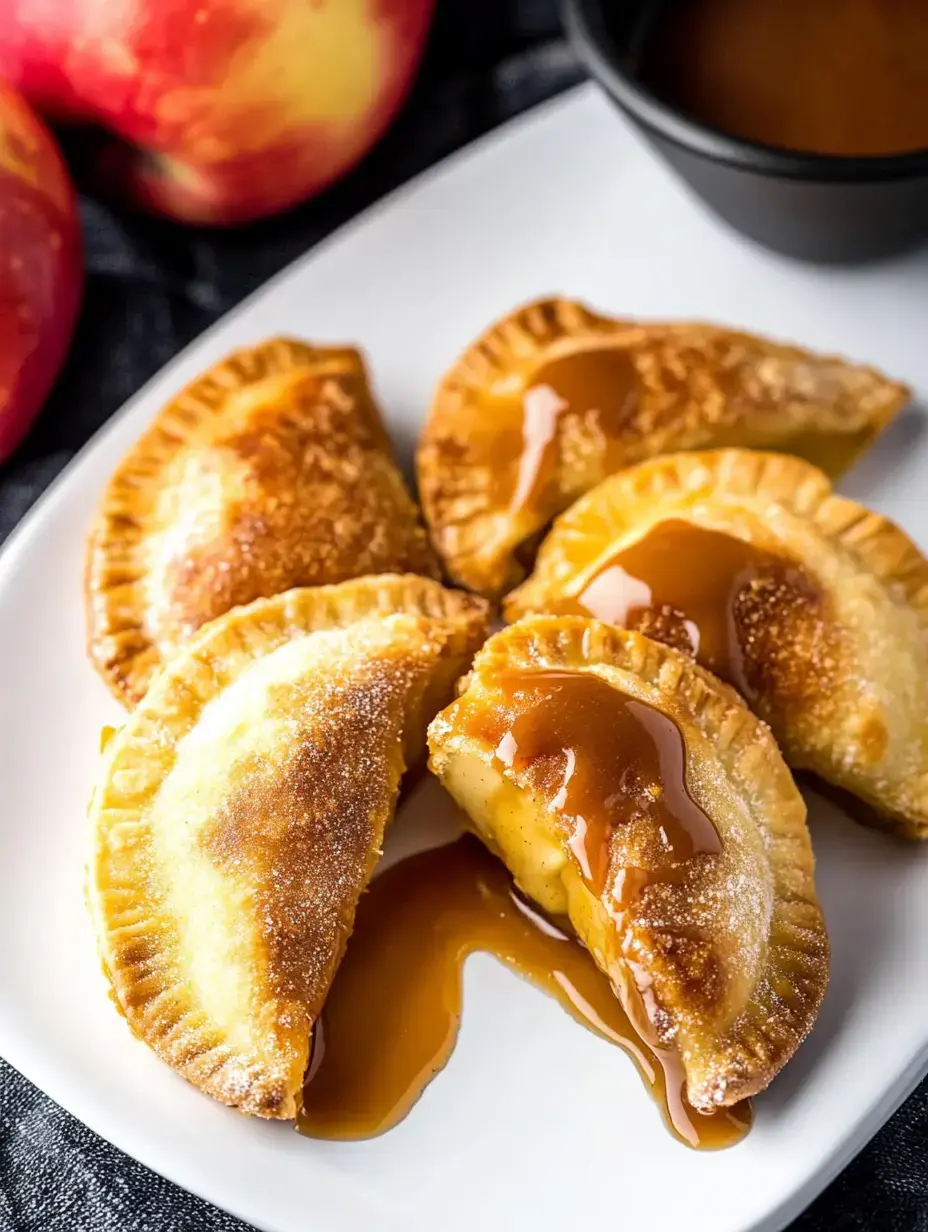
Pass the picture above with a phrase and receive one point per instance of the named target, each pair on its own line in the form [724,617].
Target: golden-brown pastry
[629,789]
[270,471]
[555,397]
[813,607]
[241,811]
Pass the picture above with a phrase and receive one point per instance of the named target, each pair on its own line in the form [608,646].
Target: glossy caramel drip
[603,759]
[598,387]
[691,588]
[392,1016]
[613,771]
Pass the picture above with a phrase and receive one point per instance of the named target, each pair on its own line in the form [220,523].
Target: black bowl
[814,206]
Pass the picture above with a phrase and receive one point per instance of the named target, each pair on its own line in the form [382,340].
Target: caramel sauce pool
[843,77]
[392,1016]
[698,606]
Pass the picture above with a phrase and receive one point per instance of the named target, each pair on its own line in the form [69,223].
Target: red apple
[226,110]
[40,266]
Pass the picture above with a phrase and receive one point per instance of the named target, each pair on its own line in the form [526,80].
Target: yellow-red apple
[40,266]
[226,110]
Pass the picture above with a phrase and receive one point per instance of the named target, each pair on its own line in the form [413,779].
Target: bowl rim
[586,27]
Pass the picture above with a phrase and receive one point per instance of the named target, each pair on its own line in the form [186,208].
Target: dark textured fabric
[153,286]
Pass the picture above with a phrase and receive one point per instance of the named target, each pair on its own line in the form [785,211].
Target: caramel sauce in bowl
[834,77]
[799,123]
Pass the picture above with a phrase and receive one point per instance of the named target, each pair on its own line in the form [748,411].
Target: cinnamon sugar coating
[270,471]
[241,811]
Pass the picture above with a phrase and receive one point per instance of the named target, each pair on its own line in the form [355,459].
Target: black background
[152,287]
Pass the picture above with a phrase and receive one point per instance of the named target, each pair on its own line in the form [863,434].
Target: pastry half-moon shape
[270,471]
[555,397]
[629,789]
[241,812]
[813,607]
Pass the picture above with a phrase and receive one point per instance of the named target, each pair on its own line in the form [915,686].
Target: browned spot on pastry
[697,968]
[665,624]
[790,641]
[874,739]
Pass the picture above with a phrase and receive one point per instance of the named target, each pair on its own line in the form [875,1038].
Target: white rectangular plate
[535,1123]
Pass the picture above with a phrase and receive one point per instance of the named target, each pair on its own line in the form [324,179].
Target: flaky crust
[699,387]
[272,470]
[240,813]
[736,953]
[845,688]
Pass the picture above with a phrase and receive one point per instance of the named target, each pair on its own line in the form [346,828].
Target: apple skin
[225,110]
[40,266]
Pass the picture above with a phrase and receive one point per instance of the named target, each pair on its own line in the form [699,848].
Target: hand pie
[554,398]
[272,470]
[813,607]
[629,789]
[241,812]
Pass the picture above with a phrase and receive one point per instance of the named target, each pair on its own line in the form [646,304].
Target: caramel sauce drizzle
[687,586]
[604,759]
[599,387]
[391,1019]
